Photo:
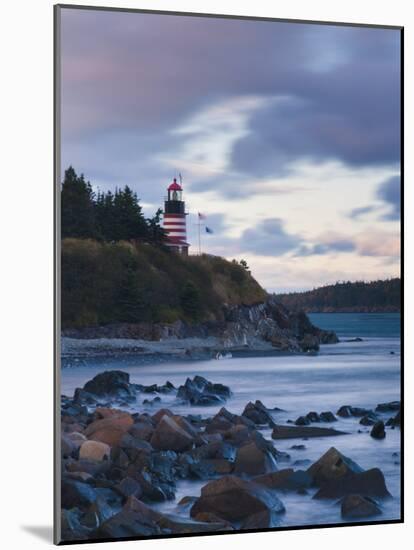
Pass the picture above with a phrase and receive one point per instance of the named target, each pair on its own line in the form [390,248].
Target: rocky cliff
[265,325]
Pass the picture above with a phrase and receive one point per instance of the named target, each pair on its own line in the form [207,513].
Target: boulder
[261,520]
[388,407]
[111,383]
[331,466]
[293,432]
[327,416]
[346,411]
[98,512]
[234,499]
[185,425]
[200,391]
[368,483]
[252,460]
[71,528]
[94,450]
[258,413]
[181,525]
[126,523]
[128,487]
[394,421]
[369,419]
[286,479]
[153,489]
[312,417]
[219,466]
[67,446]
[110,429]
[303,421]
[207,517]
[168,435]
[159,414]
[76,494]
[378,430]
[357,506]
[88,466]
[141,430]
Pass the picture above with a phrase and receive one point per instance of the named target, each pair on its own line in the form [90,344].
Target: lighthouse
[175,219]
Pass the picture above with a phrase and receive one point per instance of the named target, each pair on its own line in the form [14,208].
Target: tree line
[105,216]
[379,295]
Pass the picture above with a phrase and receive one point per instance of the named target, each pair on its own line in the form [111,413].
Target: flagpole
[199,236]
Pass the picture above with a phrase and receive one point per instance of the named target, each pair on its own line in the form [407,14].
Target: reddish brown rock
[110,430]
[169,436]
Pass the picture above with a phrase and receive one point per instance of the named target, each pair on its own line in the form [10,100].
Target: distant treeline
[106,216]
[376,296]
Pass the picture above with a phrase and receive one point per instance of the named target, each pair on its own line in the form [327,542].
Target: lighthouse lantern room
[175,219]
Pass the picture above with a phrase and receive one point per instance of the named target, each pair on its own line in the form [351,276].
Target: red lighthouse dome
[175,186]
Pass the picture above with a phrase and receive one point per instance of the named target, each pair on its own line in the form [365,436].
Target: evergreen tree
[156,233]
[190,301]
[77,207]
[129,222]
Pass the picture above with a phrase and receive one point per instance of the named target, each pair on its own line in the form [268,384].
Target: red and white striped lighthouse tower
[174,219]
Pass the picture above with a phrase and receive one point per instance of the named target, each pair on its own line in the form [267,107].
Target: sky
[287,135]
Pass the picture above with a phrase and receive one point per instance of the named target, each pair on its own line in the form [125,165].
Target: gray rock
[111,383]
[293,432]
[378,430]
[258,413]
[368,483]
[388,407]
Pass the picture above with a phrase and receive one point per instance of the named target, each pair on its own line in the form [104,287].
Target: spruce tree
[77,207]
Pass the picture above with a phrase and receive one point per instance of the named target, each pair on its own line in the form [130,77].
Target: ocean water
[349,373]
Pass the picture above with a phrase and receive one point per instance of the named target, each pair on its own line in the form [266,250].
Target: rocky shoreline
[117,466]
[266,327]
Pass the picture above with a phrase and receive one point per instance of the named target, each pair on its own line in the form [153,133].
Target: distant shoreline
[352,310]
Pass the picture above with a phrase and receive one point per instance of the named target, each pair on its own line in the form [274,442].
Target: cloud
[360,212]
[390,193]
[333,246]
[378,243]
[269,238]
[325,92]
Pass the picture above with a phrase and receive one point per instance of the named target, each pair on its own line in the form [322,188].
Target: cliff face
[264,325]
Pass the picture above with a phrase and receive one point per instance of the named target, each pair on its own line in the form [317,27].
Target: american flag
[201,216]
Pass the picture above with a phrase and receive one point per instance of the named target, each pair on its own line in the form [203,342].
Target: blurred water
[349,373]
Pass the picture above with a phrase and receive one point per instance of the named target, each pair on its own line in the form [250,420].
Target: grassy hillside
[106,283]
[376,296]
